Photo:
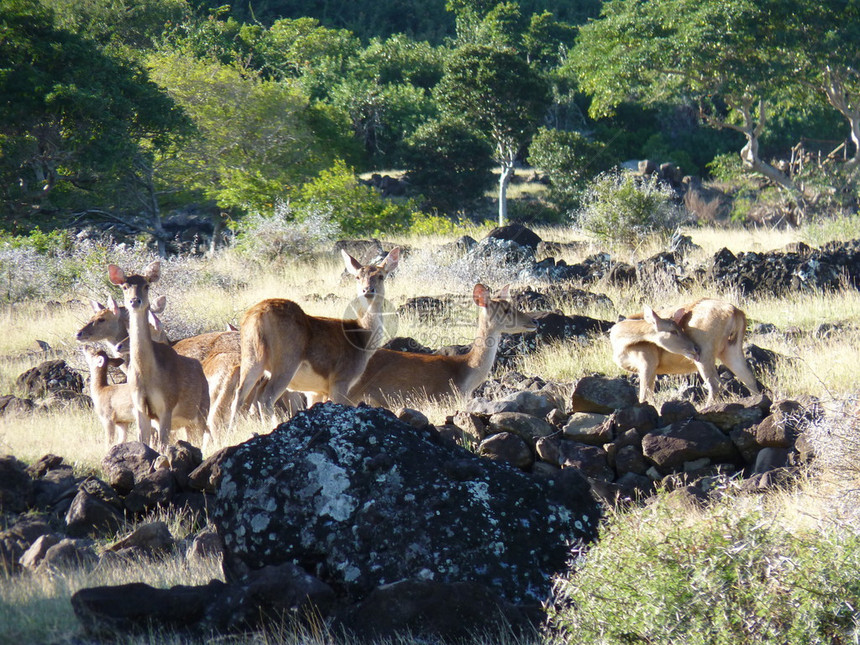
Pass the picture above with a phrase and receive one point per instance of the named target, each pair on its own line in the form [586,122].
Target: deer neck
[483,353]
[370,318]
[141,354]
[98,379]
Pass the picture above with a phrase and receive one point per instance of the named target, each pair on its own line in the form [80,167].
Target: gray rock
[16,487]
[36,553]
[153,490]
[589,460]
[153,536]
[431,611]
[602,395]
[588,427]
[126,463]
[69,554]
[507,447]
[668,448]
[368,500]
[525,426]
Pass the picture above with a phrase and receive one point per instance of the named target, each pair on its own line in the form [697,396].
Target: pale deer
[112,403]
[166,386]
[685,340]
[392,377]
[109,323]
[320,356]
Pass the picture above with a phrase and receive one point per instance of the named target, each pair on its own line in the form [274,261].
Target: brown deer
[112,403]
[683,341]
[109,323]
[392,377]
[165,386]
[311,354]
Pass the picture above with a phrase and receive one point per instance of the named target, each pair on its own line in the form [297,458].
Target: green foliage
[355,208]
[72,117]
[449,164]
[733,575]
[621,207]
[120,25]
[570,159]
[255,139]
[433,225]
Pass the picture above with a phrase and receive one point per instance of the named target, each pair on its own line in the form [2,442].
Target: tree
[255,139]
[570,159]
[822,42]
[449,164]
[71,117]
[725,55]
[501,96]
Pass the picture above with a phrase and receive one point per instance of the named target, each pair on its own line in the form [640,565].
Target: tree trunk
[838,97]
[752,129]
[507,171]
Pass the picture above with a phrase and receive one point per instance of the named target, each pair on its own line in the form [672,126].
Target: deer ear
[153,271]
[116,275]
[115,362]
[649,315]
[481,295]
[160,304]
[504,293]
[352,265]
[154,322]
[113,306]
[391,260]
[100,360]
[96,306]
[678,316]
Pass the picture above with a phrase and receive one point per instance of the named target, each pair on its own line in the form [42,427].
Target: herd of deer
[204,382]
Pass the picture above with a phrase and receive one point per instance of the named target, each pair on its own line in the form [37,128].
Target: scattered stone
[153,536]
[507,447]
[602,395]
[668,448]
[127,463]
[588,427]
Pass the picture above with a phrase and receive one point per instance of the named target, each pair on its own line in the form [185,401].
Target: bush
[449,164]
[278,236]
[355,209]
[733,574]
[569,159]
[621,207]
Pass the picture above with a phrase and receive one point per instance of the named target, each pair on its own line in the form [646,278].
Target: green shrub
[621,207]
[734,575]
[449,164]
[356,209]
[277,236]
[570,159]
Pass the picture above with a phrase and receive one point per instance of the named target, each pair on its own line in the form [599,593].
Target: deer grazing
[112,403]
[391,377]
[316,355]
[165,386]
[683,341]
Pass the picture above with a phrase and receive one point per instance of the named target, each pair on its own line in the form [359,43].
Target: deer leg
[121,432]
[272,391]
[708,370]
[247,383]
[734,359]
[164,423]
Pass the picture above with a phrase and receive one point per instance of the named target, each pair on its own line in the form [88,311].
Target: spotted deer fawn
[683,341]
[112,403]
[165,386]
[320,356]
[392,377]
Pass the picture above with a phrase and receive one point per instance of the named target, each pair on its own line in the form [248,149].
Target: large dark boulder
[361,499]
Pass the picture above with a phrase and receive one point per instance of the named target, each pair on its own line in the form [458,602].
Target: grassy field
[731,573]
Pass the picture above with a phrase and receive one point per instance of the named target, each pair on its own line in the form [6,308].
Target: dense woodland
[129,112]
